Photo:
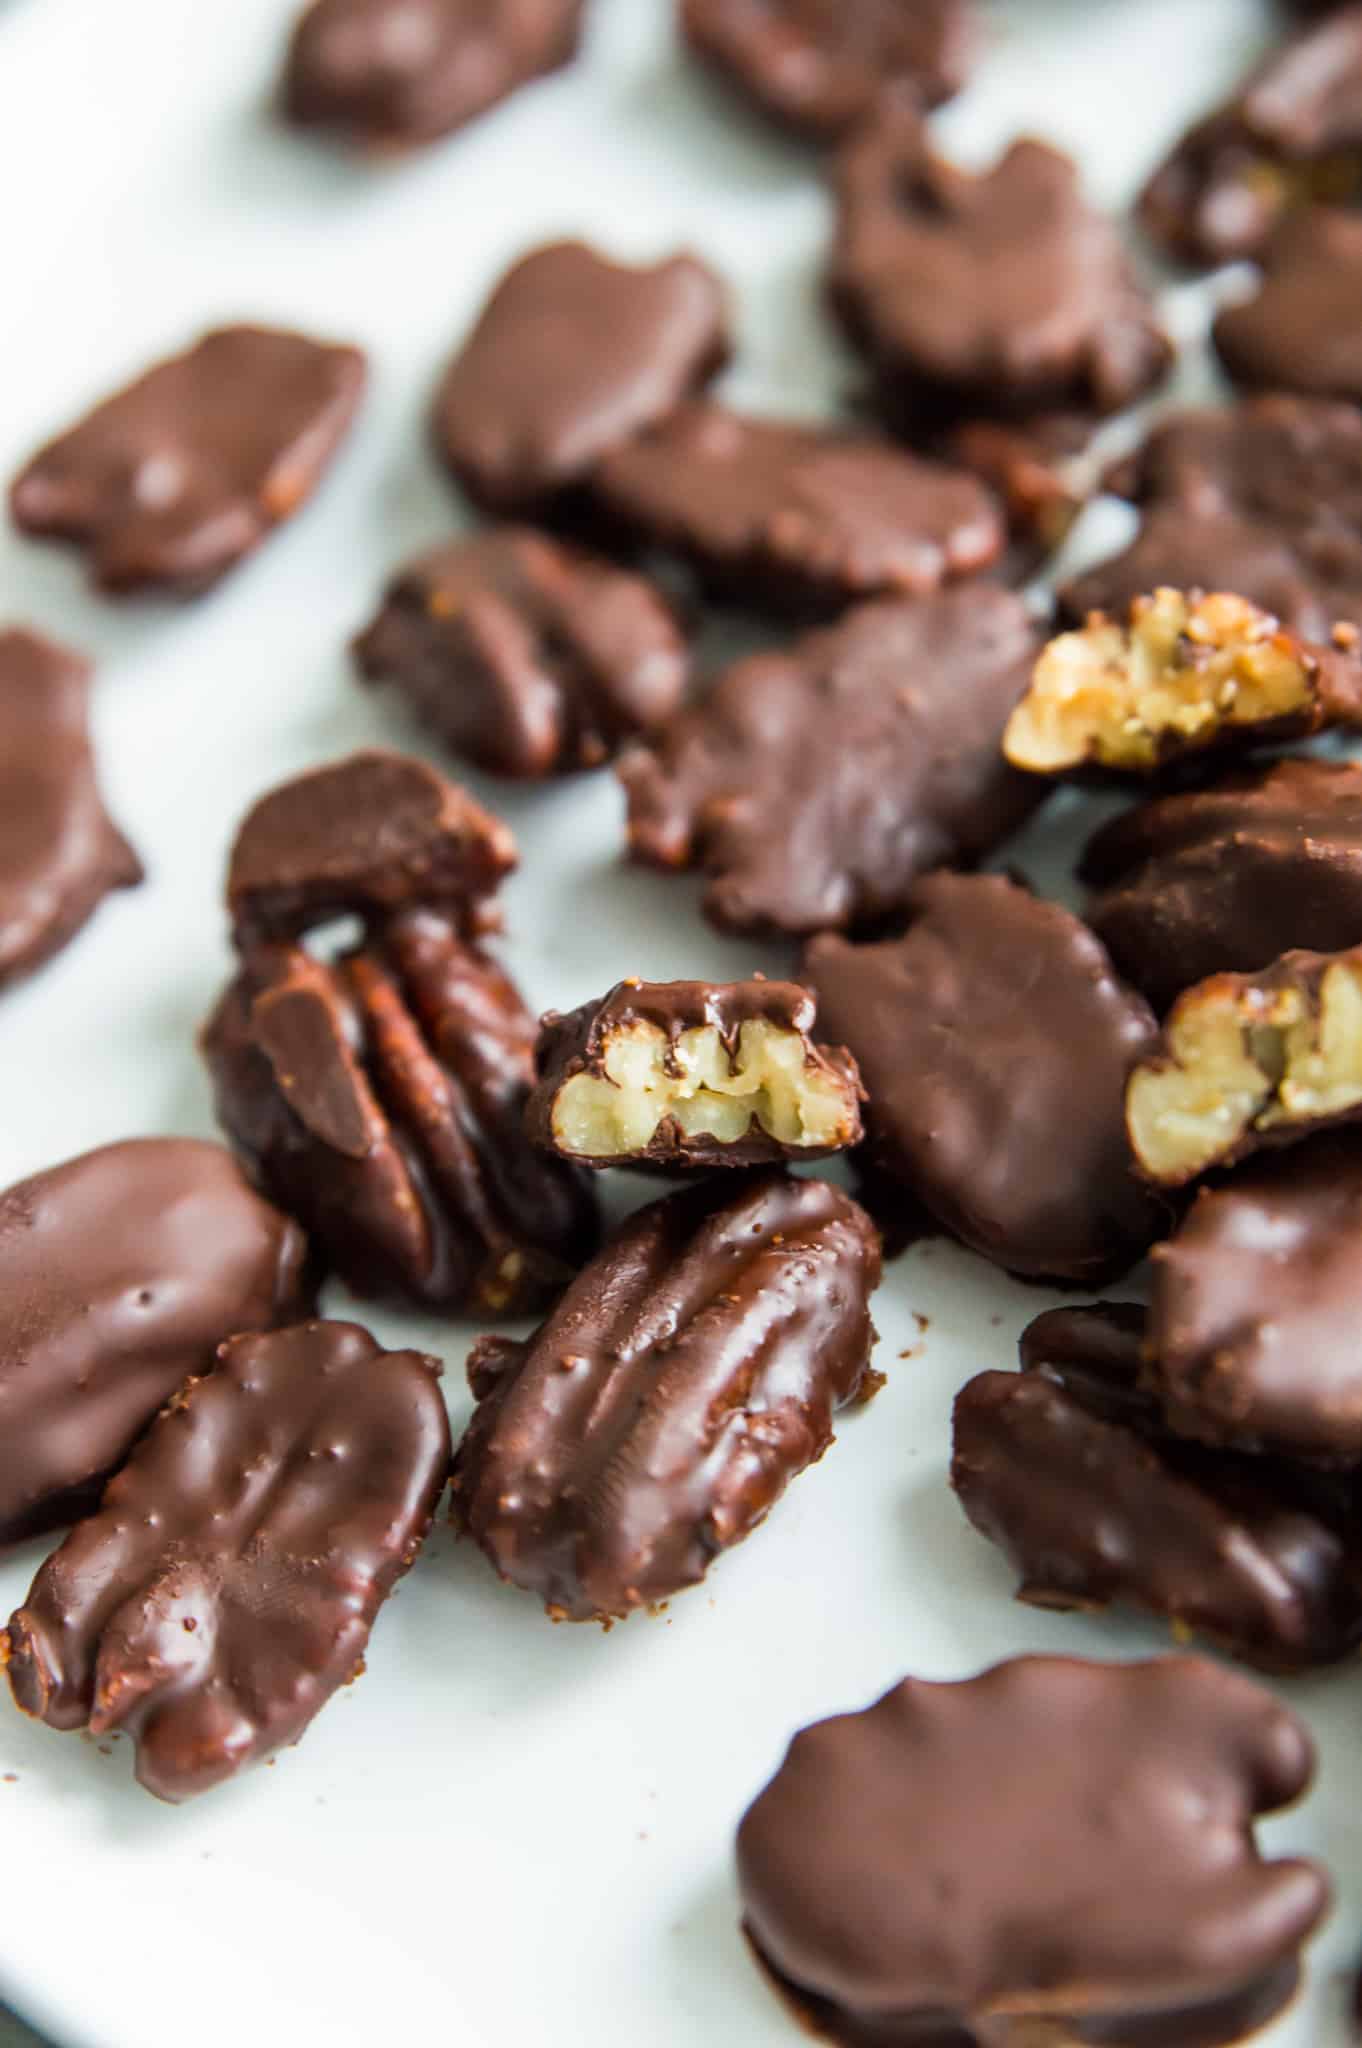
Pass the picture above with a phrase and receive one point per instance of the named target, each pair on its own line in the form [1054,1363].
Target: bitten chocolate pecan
[1053,1852]
[684,1379]
[1185,674]
[1264,499]
[230,1580]
[1302,330]
[572,356]
[120,1274]
[693,1073]
[798,517]
[1002,291]
[381,1099]
[173,480]
[372,833]
[991,984]
[525,655]
[60,852]
[1225,878]
[1290,137]
[1256,1305]
[821,66]
[1072,1470]
[817,784]
[1250,1060]
[392,73]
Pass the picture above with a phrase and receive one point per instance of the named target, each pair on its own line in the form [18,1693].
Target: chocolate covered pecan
[230,1580]
[525,655]
[1051,1853]
[1184,675]
[1071,1468]
[693,1073]
[120,1273]
[1225,878]
[1249,1060]
[381,1098]
[685,1378]
[170,482]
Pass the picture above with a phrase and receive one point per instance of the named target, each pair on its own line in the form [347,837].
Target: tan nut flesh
[1183,671]
[649,1077]
[1247,1062]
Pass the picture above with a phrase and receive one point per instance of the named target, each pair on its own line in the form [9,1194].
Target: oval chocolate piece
[689,1372]
[120,1274]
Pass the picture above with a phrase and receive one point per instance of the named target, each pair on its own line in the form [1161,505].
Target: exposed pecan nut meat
[366,835]
[381,1098]
[1072,1470]
[527,656]
[693,1073]
[684,1379]
[1250,1060]
[1187,673]
[1053,1852]
[230,1580]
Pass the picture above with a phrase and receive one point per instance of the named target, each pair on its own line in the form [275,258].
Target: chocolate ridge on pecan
[171,481]
[228,1584]
[60,852]
[1224,878]
[1053,1850]
[1300,331]
[366,835]
[528,656]
[693,1073]
[381,1099]
[1247,1061]
[1073,1470]
[685,1377]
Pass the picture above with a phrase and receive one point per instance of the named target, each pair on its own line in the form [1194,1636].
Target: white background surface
[507,1833]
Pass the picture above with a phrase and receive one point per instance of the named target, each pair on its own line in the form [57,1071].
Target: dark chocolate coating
[1070,1468]
[1053,1850]
[797,517]
[578,1043]
[389,74]
[995,1041]
[381,1099]
[1225,878]
[686,1376]
[1263,499]
[997,291]
[60,852]
[526,656]
[1256,1304]
[820,67]
[367,835]
[1303,329]
[230,1580]
[120,1273]
[170,482]
[815,785]
[571,357]
[1292,134]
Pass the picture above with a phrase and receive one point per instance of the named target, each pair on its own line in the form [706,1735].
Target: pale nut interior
[770,1079]
[1247,1060]
[1176,676]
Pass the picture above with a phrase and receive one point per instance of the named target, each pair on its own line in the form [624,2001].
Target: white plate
[507,1832]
